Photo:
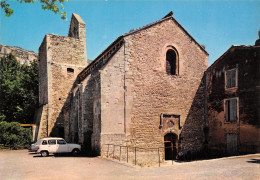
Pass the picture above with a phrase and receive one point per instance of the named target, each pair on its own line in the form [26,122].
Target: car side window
[51,142]
[44,142]
[61,141]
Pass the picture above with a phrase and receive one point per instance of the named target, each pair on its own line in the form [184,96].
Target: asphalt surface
[20,164]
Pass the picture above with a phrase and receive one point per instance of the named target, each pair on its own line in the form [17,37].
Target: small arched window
[172,62]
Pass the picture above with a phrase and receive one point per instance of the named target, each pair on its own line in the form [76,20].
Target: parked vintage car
[34,146]
[56,145]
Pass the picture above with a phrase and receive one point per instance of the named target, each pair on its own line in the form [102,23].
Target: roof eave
[189,35]
[221,57]
[100,57]
[160,21]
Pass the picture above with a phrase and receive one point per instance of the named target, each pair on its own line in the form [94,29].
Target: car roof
[51,138]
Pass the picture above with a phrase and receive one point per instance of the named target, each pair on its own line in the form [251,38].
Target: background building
[233,96]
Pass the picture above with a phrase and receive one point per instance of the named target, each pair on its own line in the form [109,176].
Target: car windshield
[39,141]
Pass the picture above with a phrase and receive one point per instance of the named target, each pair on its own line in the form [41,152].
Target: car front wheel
[44,153]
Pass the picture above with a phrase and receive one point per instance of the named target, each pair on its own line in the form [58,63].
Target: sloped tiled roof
[233,47]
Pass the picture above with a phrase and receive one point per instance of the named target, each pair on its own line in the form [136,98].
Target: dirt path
[23,165]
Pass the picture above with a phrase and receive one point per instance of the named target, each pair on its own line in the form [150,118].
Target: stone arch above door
[170,123]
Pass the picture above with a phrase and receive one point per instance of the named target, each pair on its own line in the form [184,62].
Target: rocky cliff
[22,55]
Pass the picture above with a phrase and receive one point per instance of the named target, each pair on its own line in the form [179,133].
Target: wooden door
[232,144]
[170,146]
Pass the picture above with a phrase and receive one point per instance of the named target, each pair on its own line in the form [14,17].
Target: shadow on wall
[82,107]
[65,121]
[75,121]
[193,137]
[60,124]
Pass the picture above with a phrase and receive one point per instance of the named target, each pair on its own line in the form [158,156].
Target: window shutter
[233,109]
[227,110]
[228,79]
[233,78]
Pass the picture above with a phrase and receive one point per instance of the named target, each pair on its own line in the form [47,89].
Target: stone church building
[144,90]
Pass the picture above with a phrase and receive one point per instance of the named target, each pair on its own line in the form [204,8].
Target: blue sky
[216,24]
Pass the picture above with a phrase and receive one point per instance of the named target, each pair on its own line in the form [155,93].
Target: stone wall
[101,108]
[246,60]
[43,73]
[83,113]
[136,91]
[151,92]
[61,60]
[42,117]
[87,109]
[61,79]
[113,100]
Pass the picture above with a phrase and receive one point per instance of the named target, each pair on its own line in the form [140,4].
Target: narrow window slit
[70,70]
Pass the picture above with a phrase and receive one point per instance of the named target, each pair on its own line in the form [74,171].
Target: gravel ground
[19,164]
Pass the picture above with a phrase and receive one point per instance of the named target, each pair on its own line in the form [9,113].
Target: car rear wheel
[75,152]
[44,153]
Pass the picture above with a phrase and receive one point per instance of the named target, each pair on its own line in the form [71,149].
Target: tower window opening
[70,70]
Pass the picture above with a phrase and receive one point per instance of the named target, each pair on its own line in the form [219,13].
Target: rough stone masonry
[145,90]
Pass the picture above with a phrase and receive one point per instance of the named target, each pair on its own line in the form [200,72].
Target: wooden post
[159,155]
[113,152]
[135,155]
[120,154]
[127,153]
[107,150]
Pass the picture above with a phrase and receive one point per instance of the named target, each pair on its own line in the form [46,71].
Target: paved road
[23,165]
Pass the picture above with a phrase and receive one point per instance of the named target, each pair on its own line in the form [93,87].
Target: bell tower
[61,59]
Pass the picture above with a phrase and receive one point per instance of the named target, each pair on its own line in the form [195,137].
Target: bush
[14,136]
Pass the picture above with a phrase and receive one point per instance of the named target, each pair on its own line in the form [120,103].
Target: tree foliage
[55,6]
[14,136]
[18,90]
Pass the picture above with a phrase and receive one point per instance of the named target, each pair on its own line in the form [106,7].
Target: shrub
[14,136]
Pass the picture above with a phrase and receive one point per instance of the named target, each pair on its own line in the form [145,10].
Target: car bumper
[30,150]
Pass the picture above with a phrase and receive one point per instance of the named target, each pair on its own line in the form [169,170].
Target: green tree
[14,136]
[18,90]
[55,6]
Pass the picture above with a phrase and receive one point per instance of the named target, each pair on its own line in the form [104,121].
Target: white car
[34,146]
[56,145]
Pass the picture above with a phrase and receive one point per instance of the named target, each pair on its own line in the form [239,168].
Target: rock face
[22,55]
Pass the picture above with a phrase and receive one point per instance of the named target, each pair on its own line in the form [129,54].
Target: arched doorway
[170,146]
